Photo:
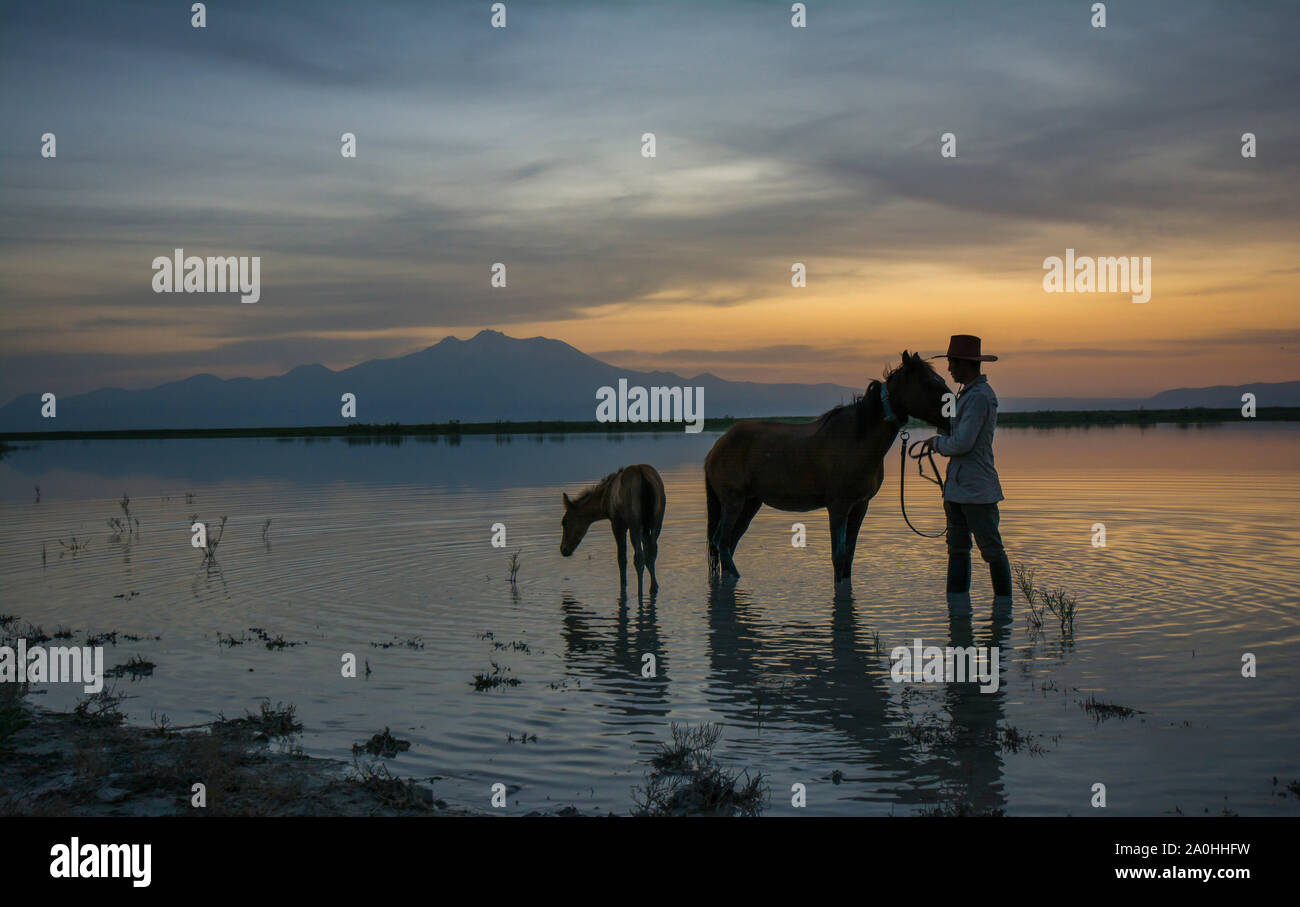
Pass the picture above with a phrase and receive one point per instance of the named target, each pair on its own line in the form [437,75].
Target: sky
[774,145]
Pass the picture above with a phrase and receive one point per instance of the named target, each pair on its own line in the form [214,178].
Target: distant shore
[1045,419]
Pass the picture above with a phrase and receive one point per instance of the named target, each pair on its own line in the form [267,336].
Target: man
[972,491]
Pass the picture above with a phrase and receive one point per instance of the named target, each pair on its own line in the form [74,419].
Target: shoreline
[68,764]
[454,429]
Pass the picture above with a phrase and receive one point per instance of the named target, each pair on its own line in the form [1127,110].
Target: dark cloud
[478,145]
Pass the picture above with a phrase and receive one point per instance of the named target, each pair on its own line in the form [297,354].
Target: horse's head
[573,527]
[916,389]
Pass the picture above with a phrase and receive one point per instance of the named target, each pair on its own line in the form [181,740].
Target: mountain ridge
[488,377]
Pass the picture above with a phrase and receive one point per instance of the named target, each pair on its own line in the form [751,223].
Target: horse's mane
[597,488]
[865,408]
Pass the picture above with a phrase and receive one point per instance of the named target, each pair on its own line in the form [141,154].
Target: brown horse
[836,462]
[632,499]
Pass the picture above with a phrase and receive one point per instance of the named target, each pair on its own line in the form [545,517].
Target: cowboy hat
[965,346]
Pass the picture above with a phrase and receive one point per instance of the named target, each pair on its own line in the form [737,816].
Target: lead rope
[904,453]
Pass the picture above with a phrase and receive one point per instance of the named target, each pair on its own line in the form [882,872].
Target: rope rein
[904,452]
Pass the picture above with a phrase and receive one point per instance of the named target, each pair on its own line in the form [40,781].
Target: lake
[384,550]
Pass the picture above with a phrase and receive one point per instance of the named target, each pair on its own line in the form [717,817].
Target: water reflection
[371,542]
[617,663]
[845,687]
[973,780]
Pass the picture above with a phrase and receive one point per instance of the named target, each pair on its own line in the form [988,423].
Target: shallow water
[371,543]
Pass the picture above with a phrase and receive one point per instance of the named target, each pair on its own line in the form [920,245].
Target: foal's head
[916,389]
[573,525]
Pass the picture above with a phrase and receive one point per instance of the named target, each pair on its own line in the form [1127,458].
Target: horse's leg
[715,511]
[854,522]
[839,540]
[638,557]
[727,519]
[742,523]
[651,554]
[620,539]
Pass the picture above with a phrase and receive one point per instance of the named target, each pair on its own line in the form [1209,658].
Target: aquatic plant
[954,803]
[272,723]
[384,744]
[496,679]
[135,667]
[1025,580]
[73,546]
[402,793]
[1100,711]
[687,780]
[1063,605]
[101,709]
[1042,600]
[213,539]
[411,642]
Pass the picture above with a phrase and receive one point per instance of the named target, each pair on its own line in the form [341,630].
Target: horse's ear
[906,357]
[916,358]
[567,502]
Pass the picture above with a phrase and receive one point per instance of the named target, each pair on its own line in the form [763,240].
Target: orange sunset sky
[774,145]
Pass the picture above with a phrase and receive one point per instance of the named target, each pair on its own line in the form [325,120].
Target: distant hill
[483,379]
[1223,396]
[1281,393]
[488,377]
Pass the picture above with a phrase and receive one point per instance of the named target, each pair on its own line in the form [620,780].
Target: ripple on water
[389,544]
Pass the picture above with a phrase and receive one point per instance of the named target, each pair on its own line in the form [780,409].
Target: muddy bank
[82,764]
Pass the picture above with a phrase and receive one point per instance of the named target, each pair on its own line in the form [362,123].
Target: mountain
[489,377]
[1222,396]
[1281,393]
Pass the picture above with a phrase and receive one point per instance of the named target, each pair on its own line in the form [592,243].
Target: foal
[632,499]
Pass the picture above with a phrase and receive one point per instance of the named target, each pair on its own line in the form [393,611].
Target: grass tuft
[384,744]
[686,780]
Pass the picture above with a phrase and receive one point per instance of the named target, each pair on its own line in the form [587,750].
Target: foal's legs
[638,557]
[651,554]
[620,539]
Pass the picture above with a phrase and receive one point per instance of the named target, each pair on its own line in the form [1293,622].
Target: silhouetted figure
[972,491]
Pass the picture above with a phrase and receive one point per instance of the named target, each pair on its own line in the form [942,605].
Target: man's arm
[973,416]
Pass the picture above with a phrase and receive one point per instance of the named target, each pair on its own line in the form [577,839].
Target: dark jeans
[981,520]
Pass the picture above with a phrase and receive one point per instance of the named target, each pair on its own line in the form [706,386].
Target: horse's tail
[652,503]
[715,513]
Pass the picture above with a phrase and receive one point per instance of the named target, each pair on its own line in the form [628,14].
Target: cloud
[522,145]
